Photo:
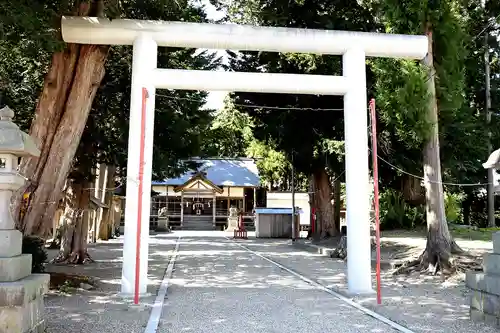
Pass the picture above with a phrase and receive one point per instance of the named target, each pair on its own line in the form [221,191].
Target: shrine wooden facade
[204,196]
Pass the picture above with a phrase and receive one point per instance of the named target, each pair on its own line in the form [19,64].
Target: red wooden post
[139,199]
[376,194]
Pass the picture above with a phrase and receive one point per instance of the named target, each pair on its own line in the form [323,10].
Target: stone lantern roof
[12,139]
[493,160]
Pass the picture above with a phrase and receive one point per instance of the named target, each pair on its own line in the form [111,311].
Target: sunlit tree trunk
[439,241]
[323,204]
[61,114]
[74,226]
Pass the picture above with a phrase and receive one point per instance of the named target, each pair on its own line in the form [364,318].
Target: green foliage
[273,165]
[452,205]
[401,101]
[181,127]
[457,28]
[36,247]
[230,134]
[298,133]
[395,213]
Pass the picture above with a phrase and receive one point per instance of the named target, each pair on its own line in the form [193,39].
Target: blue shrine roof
[221,172]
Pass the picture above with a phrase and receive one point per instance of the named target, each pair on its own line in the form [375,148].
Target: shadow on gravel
[100,309]
[423,303]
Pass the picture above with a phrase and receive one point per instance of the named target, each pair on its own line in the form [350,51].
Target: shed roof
[221,172]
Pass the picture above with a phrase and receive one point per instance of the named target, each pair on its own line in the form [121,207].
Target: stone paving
[219,287]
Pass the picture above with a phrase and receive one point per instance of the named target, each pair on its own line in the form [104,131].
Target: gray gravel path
[219,287]
[103,311]
[421,303]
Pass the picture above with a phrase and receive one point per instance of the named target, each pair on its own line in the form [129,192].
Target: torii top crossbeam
[92,30]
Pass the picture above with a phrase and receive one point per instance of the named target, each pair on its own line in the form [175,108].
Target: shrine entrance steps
[197,222]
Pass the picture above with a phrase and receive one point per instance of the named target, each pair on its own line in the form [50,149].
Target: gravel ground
[219,287]
[98,311]
[423,304]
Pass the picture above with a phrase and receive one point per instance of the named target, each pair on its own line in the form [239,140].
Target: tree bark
[412,189]
[61,114]
[106,224]
[323,204]
[74,228]
[439,241]
[337,201]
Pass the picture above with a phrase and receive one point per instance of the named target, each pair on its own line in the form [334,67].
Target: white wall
[284,200]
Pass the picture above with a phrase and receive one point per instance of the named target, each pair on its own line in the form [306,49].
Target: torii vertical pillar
[357,173]
[144,61]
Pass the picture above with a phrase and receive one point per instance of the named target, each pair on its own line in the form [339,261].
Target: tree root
[65,282]
[340,251]
[460,262]
[73,258]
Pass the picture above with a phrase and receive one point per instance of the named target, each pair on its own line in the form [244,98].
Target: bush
[453,207]
[36,247]
[395,213]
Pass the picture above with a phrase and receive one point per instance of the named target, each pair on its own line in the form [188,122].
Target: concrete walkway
[220,287]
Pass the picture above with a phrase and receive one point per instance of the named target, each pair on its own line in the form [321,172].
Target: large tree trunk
[412,189]
[323,204]
[74,228]
[106,224]
[439,241]
[337,200]
[61,115]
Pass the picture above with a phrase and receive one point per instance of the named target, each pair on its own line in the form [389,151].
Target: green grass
[483,234]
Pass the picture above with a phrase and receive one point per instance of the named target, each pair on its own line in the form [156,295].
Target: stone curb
[327,251]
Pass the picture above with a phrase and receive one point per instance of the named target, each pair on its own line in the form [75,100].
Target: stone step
[488,304]
[21,292]
[22,304]
[496,242]
[491,263]
[15,268]
[11,243]
[480,281]
[197,223]
[23,319]
[480,316]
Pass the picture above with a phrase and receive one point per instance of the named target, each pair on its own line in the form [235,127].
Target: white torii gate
[146,36]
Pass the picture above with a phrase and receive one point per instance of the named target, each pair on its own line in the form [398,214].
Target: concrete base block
[11,243]
[39,328]
[361,293]
[496,242]
[491,264]
[483,282]
[486,303]
[15,268]
[479,316]
[130,297]
[21,292]
[23,319]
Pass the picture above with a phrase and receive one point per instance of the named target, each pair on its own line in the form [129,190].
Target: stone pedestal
[21,293]
[233,223]
[163,224]
[485,286]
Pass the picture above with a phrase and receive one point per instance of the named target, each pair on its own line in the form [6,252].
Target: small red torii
[241,232]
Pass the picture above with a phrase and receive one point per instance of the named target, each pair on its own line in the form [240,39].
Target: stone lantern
[21,293]
[493,162]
